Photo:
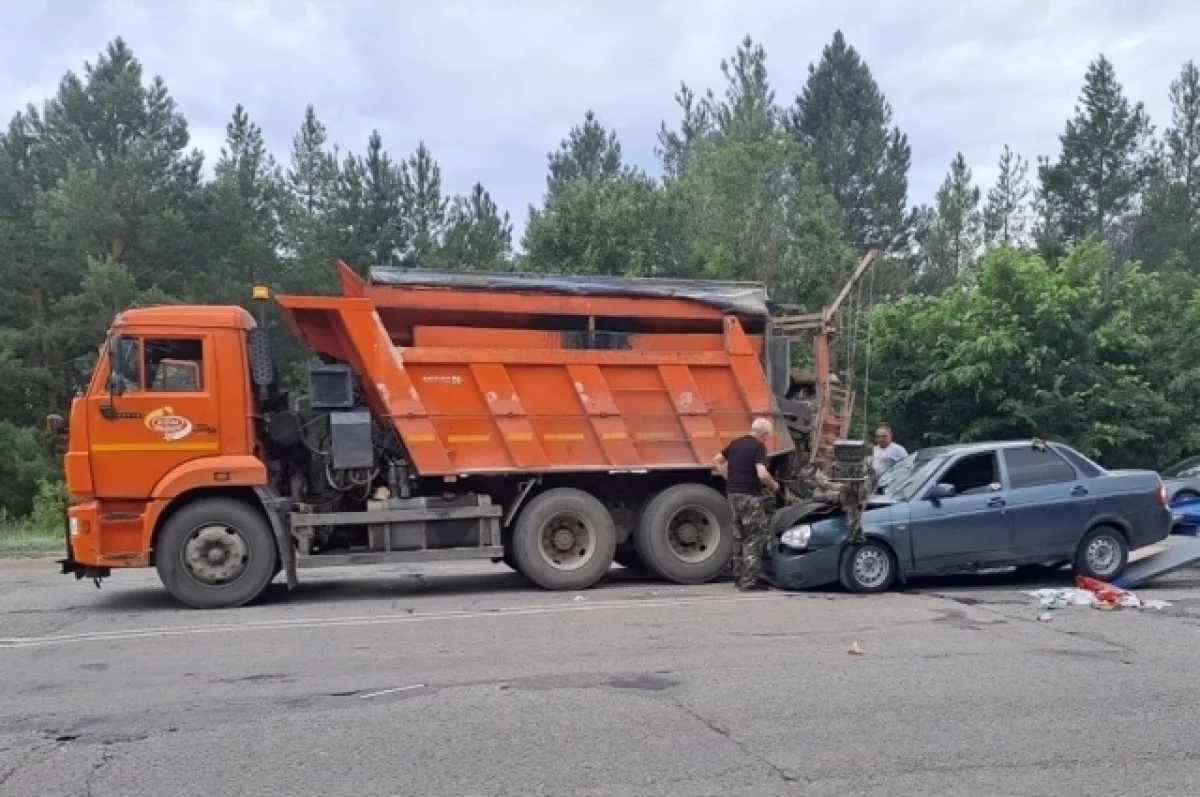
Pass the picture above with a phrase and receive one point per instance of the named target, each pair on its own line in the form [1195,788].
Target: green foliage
[102,207]
[1037,351]
[26,463]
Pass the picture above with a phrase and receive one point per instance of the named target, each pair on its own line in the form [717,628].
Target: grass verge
[19,540]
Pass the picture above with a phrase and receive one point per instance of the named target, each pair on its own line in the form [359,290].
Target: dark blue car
[963,508]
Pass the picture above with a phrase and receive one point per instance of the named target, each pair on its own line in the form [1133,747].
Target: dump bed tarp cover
[740,298]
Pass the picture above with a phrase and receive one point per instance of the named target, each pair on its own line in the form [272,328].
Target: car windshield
[905,478]
[1183,470]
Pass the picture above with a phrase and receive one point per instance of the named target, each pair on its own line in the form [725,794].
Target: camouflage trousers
[750,535]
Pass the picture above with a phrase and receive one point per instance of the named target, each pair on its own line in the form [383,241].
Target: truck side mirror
[55,424]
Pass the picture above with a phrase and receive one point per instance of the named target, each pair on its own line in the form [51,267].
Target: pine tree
[423,208]
[955,231]
[1104,164]
[1169,229]
[369,217]
[313,173]
[478,236]
[589,152]
[1005,217]
[747,110]
[844,118]
[676,148]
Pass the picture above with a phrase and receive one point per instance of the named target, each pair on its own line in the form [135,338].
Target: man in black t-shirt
[743,463]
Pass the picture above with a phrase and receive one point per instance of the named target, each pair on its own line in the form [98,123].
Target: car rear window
[1084,465]
[1029,467]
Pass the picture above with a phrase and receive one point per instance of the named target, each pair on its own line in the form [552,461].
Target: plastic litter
[855,650]
[1045,617]
[1090,592]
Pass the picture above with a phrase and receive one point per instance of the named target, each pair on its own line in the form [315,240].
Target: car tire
[228,527]
[868,567]
[1102,554]
[685,534]
[574,520]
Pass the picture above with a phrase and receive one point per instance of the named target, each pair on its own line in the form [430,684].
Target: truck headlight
[797,536]
[73,526]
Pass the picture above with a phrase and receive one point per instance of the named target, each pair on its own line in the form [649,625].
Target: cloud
[491,87]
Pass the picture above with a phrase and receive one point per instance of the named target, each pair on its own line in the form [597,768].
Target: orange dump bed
[475,385]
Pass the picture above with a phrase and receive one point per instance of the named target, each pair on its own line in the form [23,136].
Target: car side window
[1030,467]
[174,366]
[974,474]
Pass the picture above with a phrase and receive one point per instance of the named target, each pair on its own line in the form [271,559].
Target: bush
[50,506]
[25,462]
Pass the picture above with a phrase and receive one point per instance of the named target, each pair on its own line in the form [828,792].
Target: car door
[970,528]
[1049,502]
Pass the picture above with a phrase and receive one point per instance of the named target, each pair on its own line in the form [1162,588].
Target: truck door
[163,415]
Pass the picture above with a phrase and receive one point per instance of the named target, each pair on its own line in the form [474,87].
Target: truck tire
[216,554]
[685,534]
[564,539]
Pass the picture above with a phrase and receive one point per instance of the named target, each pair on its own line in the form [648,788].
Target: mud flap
[274,507]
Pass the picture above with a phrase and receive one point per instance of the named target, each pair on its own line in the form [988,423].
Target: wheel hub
[1102,555]
[693,533]
[216,555]
[870,567]
[566,541]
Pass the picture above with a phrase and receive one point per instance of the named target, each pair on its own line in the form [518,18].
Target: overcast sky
[492,86]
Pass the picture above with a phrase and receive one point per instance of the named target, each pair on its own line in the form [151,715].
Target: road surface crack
[105,757]
[24,760]
[724,733]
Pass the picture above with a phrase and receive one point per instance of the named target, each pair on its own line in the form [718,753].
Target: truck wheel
[564,539]
[685,534]
[216,554]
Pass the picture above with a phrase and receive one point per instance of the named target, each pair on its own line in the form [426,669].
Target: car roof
[990,445]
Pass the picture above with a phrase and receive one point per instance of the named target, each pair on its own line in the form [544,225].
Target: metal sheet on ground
[1159,564]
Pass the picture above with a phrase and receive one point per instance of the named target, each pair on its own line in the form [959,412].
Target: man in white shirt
[887,452]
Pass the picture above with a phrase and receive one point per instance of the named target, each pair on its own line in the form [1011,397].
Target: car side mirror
[941,491]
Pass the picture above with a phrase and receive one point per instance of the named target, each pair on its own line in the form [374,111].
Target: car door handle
[996,502]
[1079,491]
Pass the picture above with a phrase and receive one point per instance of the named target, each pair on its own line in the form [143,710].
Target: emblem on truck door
[168,424]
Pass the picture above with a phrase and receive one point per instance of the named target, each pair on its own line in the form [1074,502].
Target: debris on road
[1090,592]
[855,650]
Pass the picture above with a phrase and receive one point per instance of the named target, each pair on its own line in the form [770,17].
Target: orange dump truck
[556,424]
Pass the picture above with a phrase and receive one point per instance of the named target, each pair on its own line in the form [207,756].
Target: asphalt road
[461,680]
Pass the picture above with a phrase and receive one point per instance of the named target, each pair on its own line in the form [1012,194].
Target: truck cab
[169,411]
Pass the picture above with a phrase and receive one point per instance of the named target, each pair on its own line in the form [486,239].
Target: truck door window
[126,365]
[174,366]
[1029,467]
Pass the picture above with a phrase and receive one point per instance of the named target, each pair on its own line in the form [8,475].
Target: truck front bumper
[786,568]
[81,533]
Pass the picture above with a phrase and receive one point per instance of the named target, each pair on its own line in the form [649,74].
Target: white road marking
[382,692]
[365,620]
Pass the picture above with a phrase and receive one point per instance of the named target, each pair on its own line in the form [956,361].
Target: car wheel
[1102,554]
[868,567]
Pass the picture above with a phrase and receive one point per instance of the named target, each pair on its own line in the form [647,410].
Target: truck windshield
[906,477]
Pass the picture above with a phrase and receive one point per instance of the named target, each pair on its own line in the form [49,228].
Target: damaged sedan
[970,507]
